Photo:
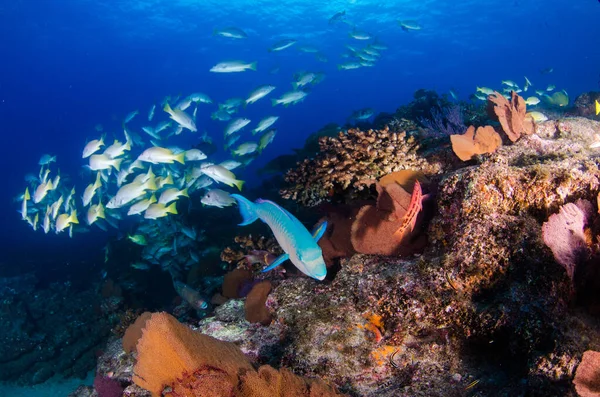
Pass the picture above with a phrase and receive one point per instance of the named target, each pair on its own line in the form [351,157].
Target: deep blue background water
[67,65]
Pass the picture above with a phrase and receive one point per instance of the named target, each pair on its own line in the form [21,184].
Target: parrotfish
[299,245]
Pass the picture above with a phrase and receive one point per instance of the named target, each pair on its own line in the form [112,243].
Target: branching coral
[348,159]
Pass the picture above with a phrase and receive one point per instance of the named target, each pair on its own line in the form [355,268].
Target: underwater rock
[585,105]
[54,331]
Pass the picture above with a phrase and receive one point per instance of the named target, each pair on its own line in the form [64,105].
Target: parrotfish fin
[319,231]
[246,209]
[282,258]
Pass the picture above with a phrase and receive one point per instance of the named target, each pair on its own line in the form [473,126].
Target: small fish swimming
[236,125]
[245,148]
[289,98]
[130,116]
[231,32]
[92,147]
[409,24]
[266,139]
[223,175]
[282,45]
[217,198]
[47,159]
[259,93]
[233,66]
[181,118]
[299,245]
[264,124]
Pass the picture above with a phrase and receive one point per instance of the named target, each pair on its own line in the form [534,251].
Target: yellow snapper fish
[259,93]
[245,148]
[128,193]
[141,206]
[233,66]
[90,191]
[41,191]
[532,101]
[26,197]
[180,117]
[55,207]
[65,220]
[597,107]
[103,162]
[94,213]
[538,117]
[162,182]
[117,149]
[46,222]
[36,220]
[139,239]
[485,90]
[158,210]
[92,147]
[223,175]
[172,194]
[159,155]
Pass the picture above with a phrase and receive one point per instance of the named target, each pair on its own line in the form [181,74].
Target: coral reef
[484,309]
[343,162]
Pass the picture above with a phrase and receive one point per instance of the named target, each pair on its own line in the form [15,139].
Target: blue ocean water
[67,66]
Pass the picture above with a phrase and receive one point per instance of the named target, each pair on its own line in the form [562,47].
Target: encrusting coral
[351,157]
[175,361]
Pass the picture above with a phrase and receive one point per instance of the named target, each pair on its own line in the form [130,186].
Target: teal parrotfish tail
[299,245]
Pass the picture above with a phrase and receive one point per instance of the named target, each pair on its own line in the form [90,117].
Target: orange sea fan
[484,140]
[511,115]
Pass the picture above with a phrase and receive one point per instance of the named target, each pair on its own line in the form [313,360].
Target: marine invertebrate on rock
[387,226]
[511,115]
[107,387]
[255,309]
[134,332]
[175,361]
[444,121]
[233,281]
[564,234]
[382,228]
[471,143]
[349,158]
[587,376]
[246,245]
